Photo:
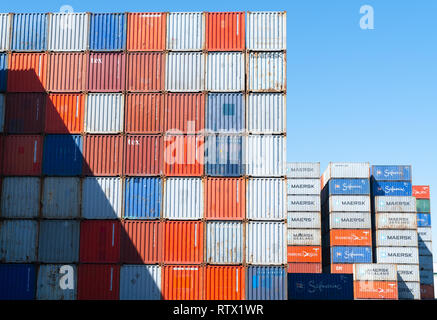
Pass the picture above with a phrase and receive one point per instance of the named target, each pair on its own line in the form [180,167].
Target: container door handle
[39,67]
[113,233]
[110,283]
[35,147]
[238,191]
[195,235]
[77,106]
[237,22]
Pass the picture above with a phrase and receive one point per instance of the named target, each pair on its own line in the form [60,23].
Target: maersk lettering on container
[375,272]
[303,170]
[303,186]
[347,220]
[398,255]
[424,234]
[303,203]
[303,220]
[408,272]
[304,237]
[395,204]
[351,254]
[409,290]
[391,188]
[349,203]
[398,220]
[392,173]
[423,220]
[396,238]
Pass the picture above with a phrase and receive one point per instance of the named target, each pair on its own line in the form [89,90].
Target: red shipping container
[182,242]
[64,113]
[143,155]
[25,112]
[103,155]
[66,72]
[98,282]
[100,241]
[27,72]
[182,282]
[342,268]
[426,292]
[225,198]
[106,72]
[144,113]
[306,254]
[225,31]
[376,290]
[185,113]
[140,242]
[421,192]
[224,283]
[146,31]
[145,71]
[304,268]
[22,155]
[183,155]
[351,237]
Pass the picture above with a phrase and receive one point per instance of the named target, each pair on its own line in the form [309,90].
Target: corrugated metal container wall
[185,113]
[391,173]
[224,242]
[395,204]
[98,282]
[225,198]
[20,197]
[183,155]
[101,198]
[64,113]
[185,31]
[423,220]
[351,237]
[391,188]
[225,71]
[352,255]
[182,242]
[409,290]
[143,155]
[265,199]
[351,203]
[320,287]
[425,262]
[423,205]
[375,272]
[408,272]
[304,268]
[66,72]
[304,237]
[182,283]
[303,203]
[185,72]
[49,279]
[424,234]
[17,281]
[224,155]
[27,72]
[22,155]
[183,198]
[265,156]
[376,290]
[303,186]
[225,112]
[103,155]
[5,27]
[142,198]
[266,113]
[346,187]
[144,113]
[61,198]
[29,32]
[266,31]
[104,113]
[305,254]
[146,31]
[3,71]
[266,283]
[302,169]
[107,31]
[106,72]
[265,243]
[140,242]
[396,238]
[62,155]
[304,220]
[358,170]
[224,283]
[427,292]
[140,282]
[347,220]
[68,31]
[24,112]
[2,111]
[225,31]
[266,72]
[18,240]
[58,241]
[145,71]
[421,192]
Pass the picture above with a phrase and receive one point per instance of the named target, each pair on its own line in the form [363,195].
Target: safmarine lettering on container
[391,188]
[351,254]
[320,287]
[391,173]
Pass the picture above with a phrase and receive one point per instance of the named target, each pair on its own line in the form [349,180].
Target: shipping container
[61,198]
[348,220]
[302,170]
[145,71]
[320,287]
[146,31]
[351,237]
[24,113]
[225,112]
[2,110]
[395,204]
[140,242]
[29,32]
[184,155]
[352,203]
[107,31]
[344,268]
[224,155]
[183,242]
[4,69]
[425,248]
[304,237]
[101,198]
[391,188]
[185,31]
[396,238]
[106,72]
[423,220]
[303,187]
[408,272]
[265,243]
[143,155]
[375,272]
[304,254]
[22,155]
[398,255]
[346,187]
[265,156]
[349,254]
[144,113]
[5,28]
[424,234]
[140,282]
[62,155]
[371,290]
[225,31]
[20,197]
[391,173]
[304,268]
[18,241]
[99,241]
[266,283]
[185,113]
[224,242]
[427,277]
[142,198]
[64,113]
[17,281]
[58,241]
[66,72]
[68,31]
[182,282]
[266,72]
[426,262]
[409,290]
[266,31]
[185,72]
[421,192]
[183,199]
[396,221]
[224,283]
[423,206]
[303,203]
[52,283]
[426,292]
[27,72]
[98,282]
[104,113]
[103,155]
[265,199]
[351,170]
[225,71]
[304,220]
[266,113]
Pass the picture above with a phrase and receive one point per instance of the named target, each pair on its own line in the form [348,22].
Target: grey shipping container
[224,242]
[101,198]
[396,238]
[398,255]
[140,282]
[61,198]
[20,197]
[56,282]
[395,204]
[396,221]
[408,272]
[304,220]
[302,170]
[350,220]
[303,186]
[18,240]
[303,203]
[304,237]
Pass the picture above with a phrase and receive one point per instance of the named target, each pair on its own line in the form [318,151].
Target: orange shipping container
[146,31]
[64,113]
[182,282]
[224,283]
[304,254]
[103,155]
[145,71]
[140,242]
[143,155]
[351,237]
[144,113]
[421,192]
[376,290]
[185,113]
[225,31]
[183,155]
[342,268]
[27,72]
[225,198]
[66,72]
[304,268]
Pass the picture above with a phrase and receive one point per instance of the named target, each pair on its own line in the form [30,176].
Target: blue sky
[352,94]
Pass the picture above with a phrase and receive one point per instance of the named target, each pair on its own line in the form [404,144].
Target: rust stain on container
[146,31]
[103,155]
[225,31]
[145,71]
[22,155]
[27,72]
[66,72]
[182,282]
[143,155]
[183,155]
[185,113]
[225,198]
[224,283]
[144,113]
[64,113]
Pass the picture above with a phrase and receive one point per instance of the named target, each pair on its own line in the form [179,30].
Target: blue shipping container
[3,72]
[142,198]
[107,31]
[224,156]
[392,188]
[351,254]
[308,286]
[17,281]
[140,282]
[225,112]
[49,280]
[18,240]
[391,173]
[266,283]
[423,220]
[348,186]
[29,32]
[62,155]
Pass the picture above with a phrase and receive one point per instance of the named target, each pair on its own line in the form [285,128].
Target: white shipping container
[350,220]
[185,31]
[265,156]
[266,31]
[395,204]
[5,31]
[303,203]
[224,242]
[266,113]
[396,221]
[346,170]
[266,72]
[185,72]
[304,237]
[68,31]
[303,187]
[20,197]
[104,113]
[349,203]
[101,198]
[425,248]
[265,199]
[265,243]
[304,220]
[424,233]
[408,290]
[408,272]
[398,255]
[225,71]
[2,111]
[396,238]
[375,272]
[183,198]
[303,170]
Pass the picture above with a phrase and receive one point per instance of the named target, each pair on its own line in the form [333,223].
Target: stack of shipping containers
[304,238]
[395,231]
[375,281]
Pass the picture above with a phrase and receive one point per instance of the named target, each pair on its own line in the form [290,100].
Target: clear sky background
[352,94]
